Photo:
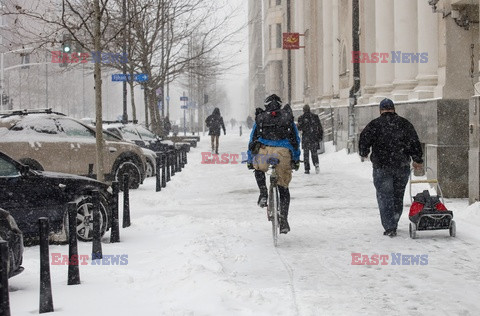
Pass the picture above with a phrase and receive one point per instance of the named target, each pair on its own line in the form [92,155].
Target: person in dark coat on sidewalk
[215,123]
[394,144]
[312,134]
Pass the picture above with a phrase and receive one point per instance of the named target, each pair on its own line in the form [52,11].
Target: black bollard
[126,202]
[173,164]
[115,230]
[164,170]
[97,242]
[46,299]
[4,298]
[158,182]
[240,130]
[186,161]
[168,165]
[73,268]
[182,159]
[179,159]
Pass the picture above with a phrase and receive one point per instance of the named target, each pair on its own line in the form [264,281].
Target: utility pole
[124,48]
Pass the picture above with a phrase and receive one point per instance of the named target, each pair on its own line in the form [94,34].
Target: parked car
[10,233]
[46,140]
[137,134]
[28,194]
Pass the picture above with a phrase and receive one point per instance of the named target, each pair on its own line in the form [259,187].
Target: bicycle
[273,205]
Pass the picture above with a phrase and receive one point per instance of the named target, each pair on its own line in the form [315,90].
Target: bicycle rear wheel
[274,204]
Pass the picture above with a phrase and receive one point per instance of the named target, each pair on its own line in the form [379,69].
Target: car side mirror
[24,170]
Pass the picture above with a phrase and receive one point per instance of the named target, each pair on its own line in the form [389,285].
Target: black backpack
[276,124]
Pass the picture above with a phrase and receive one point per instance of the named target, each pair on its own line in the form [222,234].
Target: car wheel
[85,218]
[34,165]
[128,167]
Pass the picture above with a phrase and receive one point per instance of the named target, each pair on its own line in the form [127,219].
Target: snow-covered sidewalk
[201,246]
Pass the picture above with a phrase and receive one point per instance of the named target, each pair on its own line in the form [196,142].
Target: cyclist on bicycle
[274,134]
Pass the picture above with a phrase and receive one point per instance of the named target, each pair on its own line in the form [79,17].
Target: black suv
[29,194]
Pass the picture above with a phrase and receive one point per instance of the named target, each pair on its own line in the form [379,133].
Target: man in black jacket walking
[215,123]
[312,134]
[394,143]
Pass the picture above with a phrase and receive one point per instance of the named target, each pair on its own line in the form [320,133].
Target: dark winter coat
[393,141]
[215,123]
[311,128]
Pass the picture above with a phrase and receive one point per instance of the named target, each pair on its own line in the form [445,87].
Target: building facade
[422,54]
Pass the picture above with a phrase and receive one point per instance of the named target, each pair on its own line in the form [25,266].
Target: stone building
[423,54]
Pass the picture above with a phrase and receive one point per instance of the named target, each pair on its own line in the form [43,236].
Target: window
[75,129]
[25,60]
[130,133]
[270,37]
[279,35]
[343,61]
[7,169]
[40,125]
[145,133]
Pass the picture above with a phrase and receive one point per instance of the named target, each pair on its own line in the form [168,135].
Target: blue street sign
[184,107]
[183,98]
[136,77]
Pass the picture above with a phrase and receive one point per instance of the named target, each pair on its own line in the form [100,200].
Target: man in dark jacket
[394,144]
[312,134]
[215,122]
[275,135]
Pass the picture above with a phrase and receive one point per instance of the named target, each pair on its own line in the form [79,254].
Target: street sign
[136,77]
[183,98]
[184,107]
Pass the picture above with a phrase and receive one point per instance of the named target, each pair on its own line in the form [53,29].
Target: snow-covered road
[201,246]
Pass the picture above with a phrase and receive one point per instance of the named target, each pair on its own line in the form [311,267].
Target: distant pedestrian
[394,143]
[167,126]
[233,122]
[312,134]
[215,123]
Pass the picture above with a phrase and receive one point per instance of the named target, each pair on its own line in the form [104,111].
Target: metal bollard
[173,164]
[4,296]
[182,159]
[115,230]
[46,299]
[186,161]
[73,268]
[97,243]
[179,159]
[168,165]
[126,202]
[158,182]
[164,170]
[240,130]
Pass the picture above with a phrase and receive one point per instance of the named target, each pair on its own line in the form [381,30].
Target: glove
[250,166]
[295,165]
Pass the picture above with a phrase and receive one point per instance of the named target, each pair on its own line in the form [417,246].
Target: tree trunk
[98,97]
[145,100]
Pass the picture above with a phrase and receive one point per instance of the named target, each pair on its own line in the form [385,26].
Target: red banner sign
[291,40]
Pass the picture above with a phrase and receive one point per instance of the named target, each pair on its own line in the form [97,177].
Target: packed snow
[201,246]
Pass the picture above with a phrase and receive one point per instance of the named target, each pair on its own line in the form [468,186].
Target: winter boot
[317,169]
[262,185]
[284,206]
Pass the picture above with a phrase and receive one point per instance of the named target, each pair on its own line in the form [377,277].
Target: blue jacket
[275,143]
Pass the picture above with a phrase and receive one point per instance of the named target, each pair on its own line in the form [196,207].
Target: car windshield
[130,133]
[7,169]
[145,133]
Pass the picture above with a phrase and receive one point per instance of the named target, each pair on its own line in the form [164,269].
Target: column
[298,81]
[367,38]
[427,44]
[406,67]
[335,51]
[384,43]
[327,11]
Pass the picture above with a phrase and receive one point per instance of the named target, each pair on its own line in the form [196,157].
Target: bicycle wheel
[275,209]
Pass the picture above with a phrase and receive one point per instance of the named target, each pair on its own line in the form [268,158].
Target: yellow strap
[424,181]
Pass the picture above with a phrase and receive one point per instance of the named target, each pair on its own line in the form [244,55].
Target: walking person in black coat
[394,144]
[215,123]
[312,134]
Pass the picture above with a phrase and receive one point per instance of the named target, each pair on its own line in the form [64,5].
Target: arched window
[343,60]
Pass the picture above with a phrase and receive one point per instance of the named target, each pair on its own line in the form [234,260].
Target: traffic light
[67,44]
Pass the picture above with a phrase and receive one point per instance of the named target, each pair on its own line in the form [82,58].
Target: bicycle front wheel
[274,205]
